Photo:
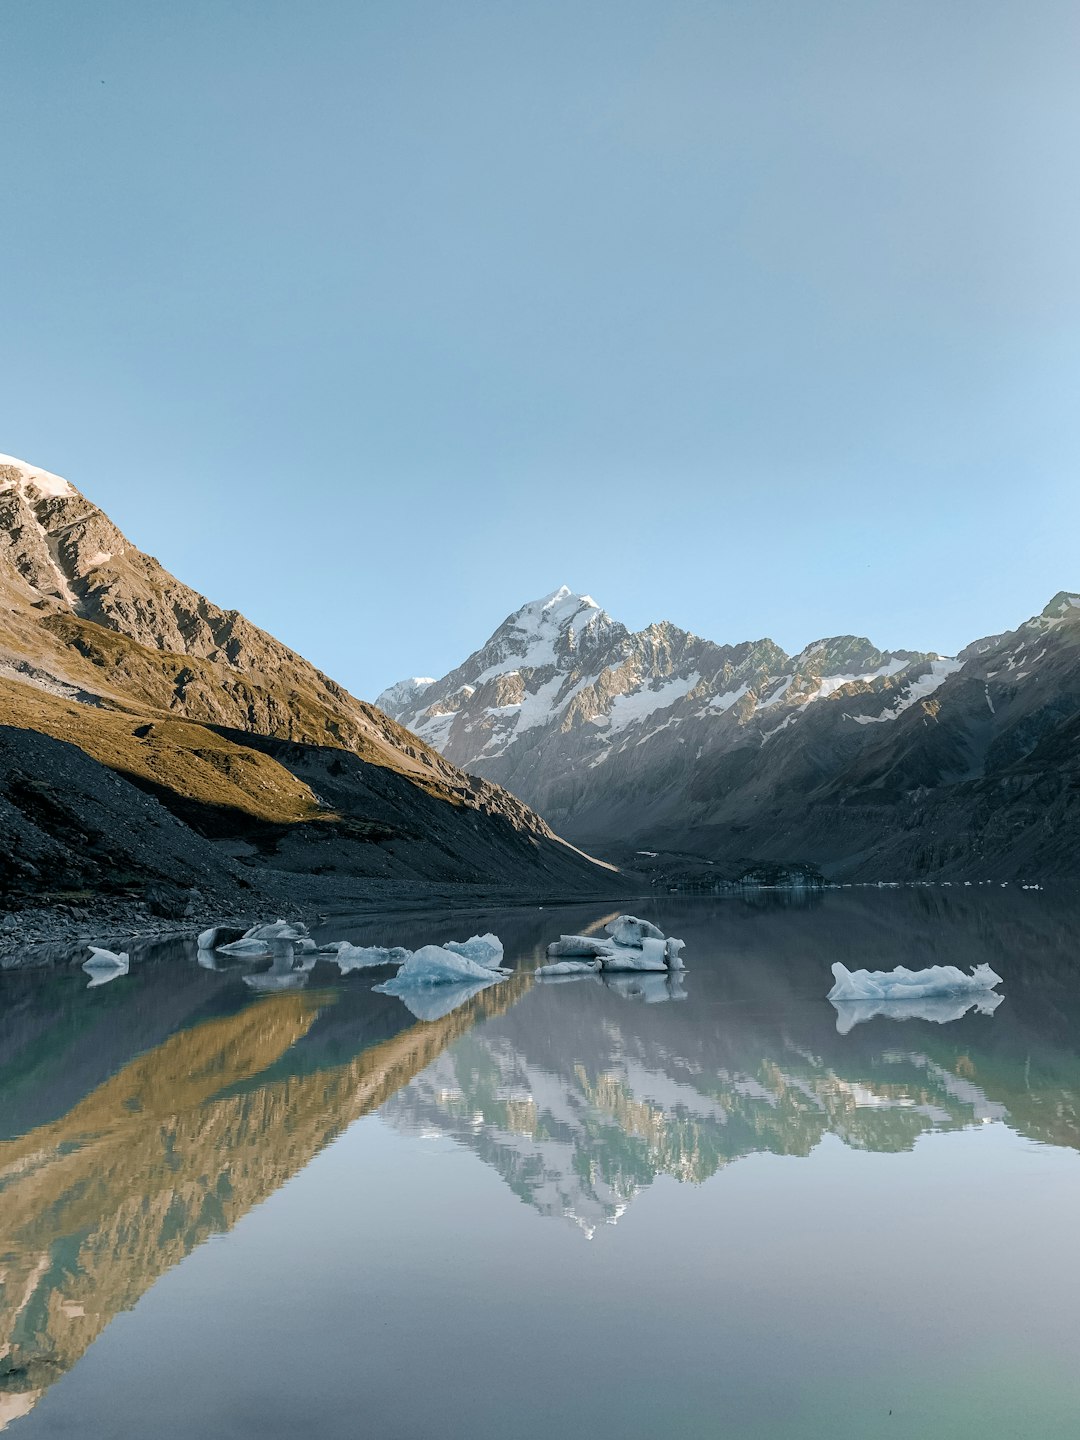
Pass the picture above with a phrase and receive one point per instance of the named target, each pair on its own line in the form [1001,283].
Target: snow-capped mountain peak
[43,482]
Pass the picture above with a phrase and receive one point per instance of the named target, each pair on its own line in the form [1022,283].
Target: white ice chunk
[434,965]
[250,947]
[650,955]
[278,930]
[903,984]
[486,949]
[105,965]
[629,930]
[218,935]
[363,957]
[673,953]
[570,967]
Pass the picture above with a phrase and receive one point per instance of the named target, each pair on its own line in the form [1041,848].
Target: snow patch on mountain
[44,482]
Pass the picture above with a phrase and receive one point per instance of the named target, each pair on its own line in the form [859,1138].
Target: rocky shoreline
[45,935]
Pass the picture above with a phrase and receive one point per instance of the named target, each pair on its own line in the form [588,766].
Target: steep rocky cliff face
[845,757]
[268,764]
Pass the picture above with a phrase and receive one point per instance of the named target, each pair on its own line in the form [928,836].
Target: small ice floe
[435,965]
[278,930]
[105,965]
[486,950]
[366,957]
[903,984]
[941,1009]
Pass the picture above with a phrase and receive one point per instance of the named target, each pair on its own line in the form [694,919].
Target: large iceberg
[631,944]
[904,984]
[435,965]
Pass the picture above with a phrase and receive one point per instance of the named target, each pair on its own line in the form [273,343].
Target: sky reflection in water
[575,1208]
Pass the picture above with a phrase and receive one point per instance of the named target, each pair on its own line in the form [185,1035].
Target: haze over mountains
[152,741]
[862,763]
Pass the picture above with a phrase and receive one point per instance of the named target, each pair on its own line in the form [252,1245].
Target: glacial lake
[628,1210]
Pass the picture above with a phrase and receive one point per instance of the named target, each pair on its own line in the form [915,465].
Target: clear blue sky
[376,318]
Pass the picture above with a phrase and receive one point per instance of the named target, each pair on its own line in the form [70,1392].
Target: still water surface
[576,1209]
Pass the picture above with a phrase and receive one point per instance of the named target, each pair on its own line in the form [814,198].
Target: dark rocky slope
[187,749]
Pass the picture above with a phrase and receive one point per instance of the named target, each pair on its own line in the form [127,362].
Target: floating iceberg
[941,1009]
[105,965]
[365,957]
[435,965]
[486,950]
[278,930]
[248,946]
[903,984]
[631,945]
[629,930]
[569,967]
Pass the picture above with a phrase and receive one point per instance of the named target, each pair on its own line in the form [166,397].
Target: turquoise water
[577,1209]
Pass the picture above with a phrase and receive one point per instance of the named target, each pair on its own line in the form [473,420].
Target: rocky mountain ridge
[261,766]
[843,758]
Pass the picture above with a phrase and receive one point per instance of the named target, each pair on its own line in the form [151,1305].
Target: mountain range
[692,759]
[156,747]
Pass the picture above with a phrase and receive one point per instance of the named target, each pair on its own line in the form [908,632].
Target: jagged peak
[1060,605]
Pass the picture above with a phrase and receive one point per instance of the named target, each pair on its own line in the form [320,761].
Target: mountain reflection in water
[141,1119]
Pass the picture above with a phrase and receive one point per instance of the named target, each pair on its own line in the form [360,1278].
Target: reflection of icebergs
[435,965]
[286,973]
[904,984]
[653,989]
[938,1008]
[105,965]
[436,1001]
